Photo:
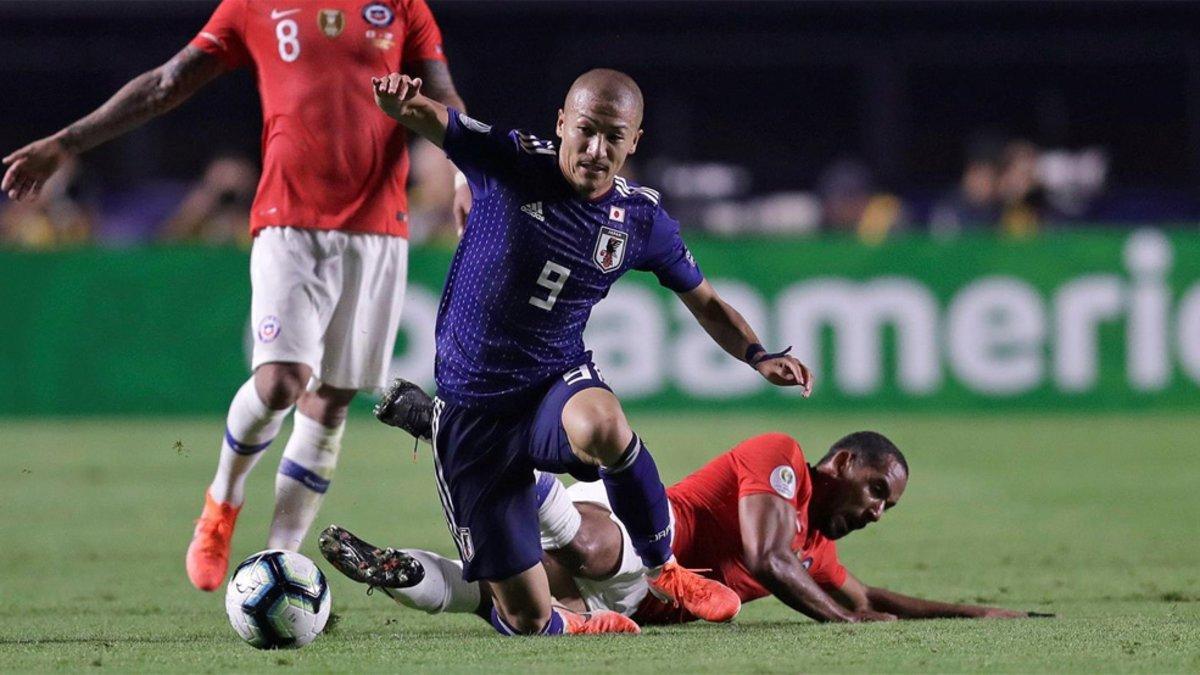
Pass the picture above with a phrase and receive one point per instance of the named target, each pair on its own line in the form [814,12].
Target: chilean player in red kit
[757,518]
[330,252]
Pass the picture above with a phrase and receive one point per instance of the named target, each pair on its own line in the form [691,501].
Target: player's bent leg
[522,604]
[482,465]
[581,538]
[327,405]
[307,465]
[428,582]
[598,432]
[414,578]
[255,416]
[563,587]
[280,384]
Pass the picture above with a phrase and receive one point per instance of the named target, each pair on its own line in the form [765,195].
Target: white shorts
[625,590]
[328,299]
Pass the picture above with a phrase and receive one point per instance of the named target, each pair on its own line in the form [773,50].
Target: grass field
[1092,517]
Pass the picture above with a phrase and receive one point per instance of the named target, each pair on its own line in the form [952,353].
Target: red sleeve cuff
[213,45]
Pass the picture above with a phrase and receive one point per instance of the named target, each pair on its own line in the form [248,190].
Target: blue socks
[637,497]
[555,626]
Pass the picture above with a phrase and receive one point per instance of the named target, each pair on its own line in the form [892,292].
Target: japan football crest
[610,249]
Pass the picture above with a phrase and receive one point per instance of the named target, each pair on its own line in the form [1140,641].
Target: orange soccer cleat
[208,554]
[705,598]
[598,623]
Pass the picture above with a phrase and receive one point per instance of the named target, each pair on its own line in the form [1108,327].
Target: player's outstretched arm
[768,527]
[856,595]
[439,86]
[144,97]
[400,97]
[729,329]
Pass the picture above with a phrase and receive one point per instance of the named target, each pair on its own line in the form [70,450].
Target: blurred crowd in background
[1009,187]
[861,119]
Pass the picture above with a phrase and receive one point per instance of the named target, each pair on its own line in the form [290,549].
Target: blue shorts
[484,466]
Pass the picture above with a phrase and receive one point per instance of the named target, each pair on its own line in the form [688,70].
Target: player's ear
[842,459]
[562,120]
[633,146]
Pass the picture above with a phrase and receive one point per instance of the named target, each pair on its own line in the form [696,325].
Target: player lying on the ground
[550,231]
[757,518]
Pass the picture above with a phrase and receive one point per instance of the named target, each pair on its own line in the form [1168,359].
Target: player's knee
[327,405]
[599,434]
[280,385]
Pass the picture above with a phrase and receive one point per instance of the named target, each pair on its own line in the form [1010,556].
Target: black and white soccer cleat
[367,564]
[406,406]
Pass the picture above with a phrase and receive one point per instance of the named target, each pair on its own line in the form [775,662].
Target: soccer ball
[277,600]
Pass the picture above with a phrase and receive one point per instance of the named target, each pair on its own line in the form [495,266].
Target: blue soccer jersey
[533,262]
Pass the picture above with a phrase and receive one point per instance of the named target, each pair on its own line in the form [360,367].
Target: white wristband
[460,179]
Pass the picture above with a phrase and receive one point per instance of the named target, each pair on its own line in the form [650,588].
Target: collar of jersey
[607,193]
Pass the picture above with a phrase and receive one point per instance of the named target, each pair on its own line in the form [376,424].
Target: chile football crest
[610,249]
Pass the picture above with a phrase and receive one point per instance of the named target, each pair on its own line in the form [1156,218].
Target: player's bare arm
[143,98]
[439,86]
[436,82]
[729,329]
[400,97]
[858,596]
[768,526]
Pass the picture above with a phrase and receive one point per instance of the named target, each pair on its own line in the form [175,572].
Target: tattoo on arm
[436,82]
[144,97]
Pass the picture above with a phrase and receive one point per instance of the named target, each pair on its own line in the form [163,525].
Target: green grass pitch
[1093,517]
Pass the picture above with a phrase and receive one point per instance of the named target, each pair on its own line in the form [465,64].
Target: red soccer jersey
[331,159]
[707,533]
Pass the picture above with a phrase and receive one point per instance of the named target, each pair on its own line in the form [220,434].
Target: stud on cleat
[406,406]
[367,564]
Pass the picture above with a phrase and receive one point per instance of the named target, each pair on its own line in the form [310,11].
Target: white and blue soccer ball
[277,600]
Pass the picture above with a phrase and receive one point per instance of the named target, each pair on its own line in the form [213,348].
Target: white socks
[249,429]
[442,589]
[304,473]
[558,519]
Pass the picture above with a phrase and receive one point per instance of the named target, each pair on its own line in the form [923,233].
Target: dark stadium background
[1039,363]
[781,88]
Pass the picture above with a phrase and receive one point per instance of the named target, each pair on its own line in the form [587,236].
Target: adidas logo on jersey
[534,145]
[534,209]
[626,190]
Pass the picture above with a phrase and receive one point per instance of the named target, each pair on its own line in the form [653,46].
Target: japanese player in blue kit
[550,231]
